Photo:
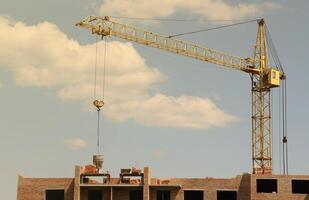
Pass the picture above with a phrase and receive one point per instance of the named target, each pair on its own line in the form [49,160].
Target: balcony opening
[95,195]
[226,195]
[163,195]
[300,186]
[54,195]
[136,194]
[266,186]
[194,195]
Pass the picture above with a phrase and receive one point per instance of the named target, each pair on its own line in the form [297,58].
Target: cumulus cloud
[210,9]
[168,111]
[43,56]
[75,144]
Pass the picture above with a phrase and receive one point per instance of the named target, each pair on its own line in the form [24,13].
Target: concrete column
[147,179]
[78,171]
[111,194]
[211,194]
[19,187]
[180,195]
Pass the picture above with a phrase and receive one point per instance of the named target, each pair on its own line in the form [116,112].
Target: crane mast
[261,111]
[263,77]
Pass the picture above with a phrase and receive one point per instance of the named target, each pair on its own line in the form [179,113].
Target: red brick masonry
[244,185]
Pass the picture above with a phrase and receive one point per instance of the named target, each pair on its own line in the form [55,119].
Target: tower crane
[263,76]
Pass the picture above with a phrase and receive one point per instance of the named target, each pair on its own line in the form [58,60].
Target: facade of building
[133,184]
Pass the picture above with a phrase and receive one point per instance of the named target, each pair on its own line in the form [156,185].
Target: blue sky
[182,117]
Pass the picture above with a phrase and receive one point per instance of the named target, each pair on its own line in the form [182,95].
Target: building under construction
[135,184]
[91,183]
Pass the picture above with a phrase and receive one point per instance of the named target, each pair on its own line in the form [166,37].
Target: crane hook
[98,104]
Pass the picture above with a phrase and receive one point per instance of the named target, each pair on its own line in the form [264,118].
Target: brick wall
[210,186]
[284,187]
[105,193]
[245,185]
[34,188]
[121,193]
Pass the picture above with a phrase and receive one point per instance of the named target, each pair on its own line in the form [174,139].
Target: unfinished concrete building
[134,184]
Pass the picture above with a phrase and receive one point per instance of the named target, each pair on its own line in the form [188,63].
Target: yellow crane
[263,77]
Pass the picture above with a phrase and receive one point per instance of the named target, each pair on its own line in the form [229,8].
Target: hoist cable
[285,125]
[214,28]
[104,66]
[97,102]
[95,69]
[98,133]
[95,93]
[283,130]
[280,131]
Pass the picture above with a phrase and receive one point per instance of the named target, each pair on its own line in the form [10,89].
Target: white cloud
[210,9]
[43,56]
[168,111]
[75,144]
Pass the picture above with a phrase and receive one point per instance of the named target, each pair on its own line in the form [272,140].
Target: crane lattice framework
[263,77]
